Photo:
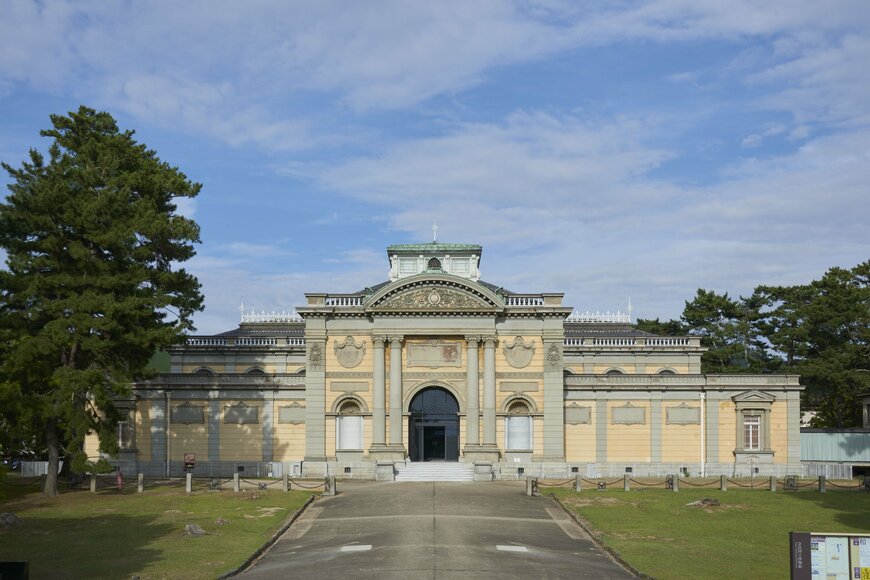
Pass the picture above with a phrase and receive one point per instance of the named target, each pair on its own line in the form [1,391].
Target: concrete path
[434,530]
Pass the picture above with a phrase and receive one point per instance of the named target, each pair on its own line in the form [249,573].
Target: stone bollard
[237,486]
[188,485]
[772,483]
[329,488]
[625,483]
[821,484]
[577,483]
[723,483]
[285,482]
[141,487]
[676,483]
[93,483]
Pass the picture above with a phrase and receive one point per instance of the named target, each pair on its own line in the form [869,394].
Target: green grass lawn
[746,537]
[116,535]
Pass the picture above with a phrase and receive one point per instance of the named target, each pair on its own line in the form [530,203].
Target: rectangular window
[407,265]
[752,432]
[125,434]
[350,432]
[460,266]
[518,433]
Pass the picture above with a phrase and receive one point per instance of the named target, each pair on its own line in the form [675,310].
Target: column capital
[396,340]
[378,340]
[489,340]
[472,340]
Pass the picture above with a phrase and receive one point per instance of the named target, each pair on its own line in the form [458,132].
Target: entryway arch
[433,426]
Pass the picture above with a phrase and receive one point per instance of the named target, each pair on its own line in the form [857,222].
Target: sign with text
[820,556]
[189,460]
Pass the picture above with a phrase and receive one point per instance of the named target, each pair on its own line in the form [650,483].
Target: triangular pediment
[753,397]
[440,293]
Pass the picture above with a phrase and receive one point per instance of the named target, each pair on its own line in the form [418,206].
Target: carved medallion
[518,353]
[349,353]
[315,356]
[433,298]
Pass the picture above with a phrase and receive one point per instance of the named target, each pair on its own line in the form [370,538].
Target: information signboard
[189,461]
[829,556]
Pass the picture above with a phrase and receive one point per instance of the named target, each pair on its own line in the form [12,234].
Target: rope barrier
[750,486]
[7,483]
[832,484]
[690,484]
[647,484]
[294,482]
[561,484]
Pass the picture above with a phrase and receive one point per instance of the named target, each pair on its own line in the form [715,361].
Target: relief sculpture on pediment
[432,298]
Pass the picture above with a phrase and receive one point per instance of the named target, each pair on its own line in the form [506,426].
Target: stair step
[435,472]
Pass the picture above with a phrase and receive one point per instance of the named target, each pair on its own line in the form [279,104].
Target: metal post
[141,487]
[237,487]
[723,483]
[821,484]
[625,486]
[188,485]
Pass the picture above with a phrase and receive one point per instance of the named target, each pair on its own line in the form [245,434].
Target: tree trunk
[51,441]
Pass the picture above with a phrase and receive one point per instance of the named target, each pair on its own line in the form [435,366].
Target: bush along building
[436,367]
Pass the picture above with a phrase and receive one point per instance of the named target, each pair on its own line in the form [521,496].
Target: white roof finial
[629,309]
[434,232]
[242,308]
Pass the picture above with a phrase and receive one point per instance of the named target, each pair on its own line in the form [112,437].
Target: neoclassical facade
[435,365]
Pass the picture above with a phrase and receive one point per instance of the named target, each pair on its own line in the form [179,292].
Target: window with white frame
[124,430]
[349,426]
[518,427]
[752,432]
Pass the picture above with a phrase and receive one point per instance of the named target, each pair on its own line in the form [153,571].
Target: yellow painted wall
[189,438]
[92,446]
[330,436]
[241,442]
[289,439]
[580,441]
[143,430]
[680,442]
[727,426]
[628,442]
[779,431]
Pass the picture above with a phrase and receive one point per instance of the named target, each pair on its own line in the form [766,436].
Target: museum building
[435,365]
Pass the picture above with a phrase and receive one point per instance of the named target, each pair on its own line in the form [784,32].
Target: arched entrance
[433,427]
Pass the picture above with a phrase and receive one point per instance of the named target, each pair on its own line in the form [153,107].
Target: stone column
[379,412]
[489,390]
[396,390]
[472,378]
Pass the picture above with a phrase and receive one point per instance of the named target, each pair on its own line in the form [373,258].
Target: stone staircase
[435,471]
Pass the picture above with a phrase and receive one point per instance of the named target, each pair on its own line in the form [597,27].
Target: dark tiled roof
[573,329]
[267,329]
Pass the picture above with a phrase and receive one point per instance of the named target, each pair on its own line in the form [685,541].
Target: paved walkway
[434,530]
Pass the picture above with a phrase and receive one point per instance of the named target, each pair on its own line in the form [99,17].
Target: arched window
[255,371]
[349,426]
[518,427]
[667,372]
[614,372]
[434,264]
[205,372]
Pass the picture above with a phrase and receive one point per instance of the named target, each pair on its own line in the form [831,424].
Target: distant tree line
[820,330]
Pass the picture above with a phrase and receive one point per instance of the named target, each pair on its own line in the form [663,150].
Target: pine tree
[93,287]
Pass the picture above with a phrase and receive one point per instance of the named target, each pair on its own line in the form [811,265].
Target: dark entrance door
[433,428]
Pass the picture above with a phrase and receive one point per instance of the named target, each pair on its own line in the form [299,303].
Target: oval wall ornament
[349,353]
[518,353]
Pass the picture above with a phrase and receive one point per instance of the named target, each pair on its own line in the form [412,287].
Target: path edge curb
[606,549]
[262,549]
